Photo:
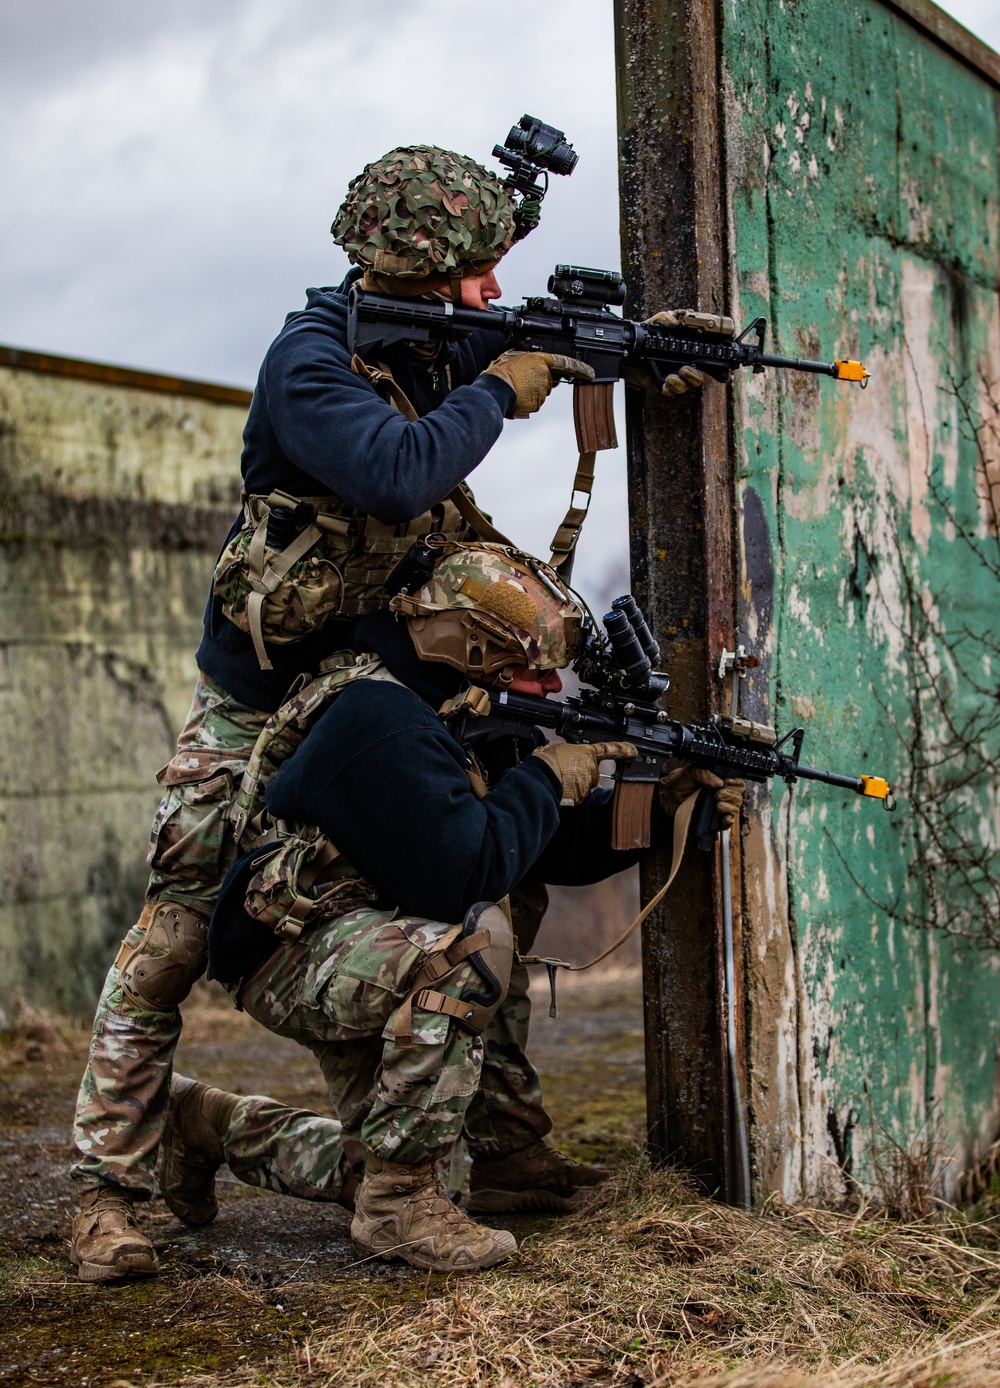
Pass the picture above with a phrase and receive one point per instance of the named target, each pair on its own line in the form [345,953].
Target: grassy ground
[649,1284]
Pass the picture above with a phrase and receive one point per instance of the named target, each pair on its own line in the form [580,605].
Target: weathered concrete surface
[217,1297]
[863,191]
[113,502]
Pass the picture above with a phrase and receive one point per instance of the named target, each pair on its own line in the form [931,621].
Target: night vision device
[531,152]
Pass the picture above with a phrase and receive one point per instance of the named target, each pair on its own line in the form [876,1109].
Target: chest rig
[299,562]
[301,877]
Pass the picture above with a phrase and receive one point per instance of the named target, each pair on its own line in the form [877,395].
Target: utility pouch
[283,594]
[304,880]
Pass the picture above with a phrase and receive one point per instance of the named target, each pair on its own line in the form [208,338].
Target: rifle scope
[589,288]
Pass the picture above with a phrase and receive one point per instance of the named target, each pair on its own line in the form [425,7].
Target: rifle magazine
[631,810]
[594,416]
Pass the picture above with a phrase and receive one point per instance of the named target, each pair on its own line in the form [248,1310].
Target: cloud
[175,184]
[172,171]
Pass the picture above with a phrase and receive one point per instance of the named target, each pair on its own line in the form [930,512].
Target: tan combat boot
[536,1178]
[197,1120]
[403,1212]
[106,1242]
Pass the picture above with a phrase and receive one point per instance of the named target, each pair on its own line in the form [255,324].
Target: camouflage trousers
[122,1102]
[290,1151]
[336,991]
[412,1108]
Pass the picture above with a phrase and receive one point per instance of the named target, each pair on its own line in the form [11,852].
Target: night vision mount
[531,152]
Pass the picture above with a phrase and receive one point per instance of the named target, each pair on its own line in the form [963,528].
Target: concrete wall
[115,491]
[863,191]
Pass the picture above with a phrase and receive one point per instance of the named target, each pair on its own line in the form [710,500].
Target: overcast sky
[169,170]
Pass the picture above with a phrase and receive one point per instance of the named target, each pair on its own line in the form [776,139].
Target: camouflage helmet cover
[504,608]
[421,210]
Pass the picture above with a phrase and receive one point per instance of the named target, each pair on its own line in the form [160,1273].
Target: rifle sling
[565,538]
[564,541]
[682,823]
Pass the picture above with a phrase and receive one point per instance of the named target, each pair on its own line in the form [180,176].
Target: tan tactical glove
[576,764]
[675,789]
[689,376]
[531,376]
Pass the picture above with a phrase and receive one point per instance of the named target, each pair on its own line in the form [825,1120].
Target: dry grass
[653,1285]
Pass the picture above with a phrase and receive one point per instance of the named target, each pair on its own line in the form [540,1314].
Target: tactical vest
[303,877]
[335,565]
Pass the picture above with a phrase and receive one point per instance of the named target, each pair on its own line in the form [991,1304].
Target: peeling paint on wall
[863,168]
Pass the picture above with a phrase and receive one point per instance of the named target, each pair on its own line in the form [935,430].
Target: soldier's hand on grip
[686,780]
[531,376]
[689,377]
[578,764]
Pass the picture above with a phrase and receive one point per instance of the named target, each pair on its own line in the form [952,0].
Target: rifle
[577,321]
[621,705]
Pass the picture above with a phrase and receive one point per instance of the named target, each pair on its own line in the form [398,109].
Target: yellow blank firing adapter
[852,371]
[877,787]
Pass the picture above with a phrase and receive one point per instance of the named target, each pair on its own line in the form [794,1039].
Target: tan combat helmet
[489,608]
[420,210]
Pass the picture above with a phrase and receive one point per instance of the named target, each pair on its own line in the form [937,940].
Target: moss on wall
[113,502]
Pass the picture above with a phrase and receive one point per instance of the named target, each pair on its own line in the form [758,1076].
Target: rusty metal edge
[936,24]
[20,359]
[689,1118]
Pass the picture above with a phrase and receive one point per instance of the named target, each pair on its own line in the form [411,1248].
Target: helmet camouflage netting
[420,210]
[504,611]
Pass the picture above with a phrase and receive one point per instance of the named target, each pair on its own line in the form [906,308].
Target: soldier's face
[479,290]
[526,681]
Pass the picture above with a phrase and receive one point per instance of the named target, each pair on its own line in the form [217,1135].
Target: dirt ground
[649,1285]
[216,1309]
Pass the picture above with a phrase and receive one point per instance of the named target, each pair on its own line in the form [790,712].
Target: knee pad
[157,974]
[492,963]
[486,941]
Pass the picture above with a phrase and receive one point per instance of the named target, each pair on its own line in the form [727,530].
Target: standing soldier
[344,463]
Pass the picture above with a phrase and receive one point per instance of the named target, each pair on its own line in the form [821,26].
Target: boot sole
[431,1264]
[131,1265]
[521,1202]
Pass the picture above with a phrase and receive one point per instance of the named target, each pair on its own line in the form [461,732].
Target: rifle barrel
[820,368]
[831,778]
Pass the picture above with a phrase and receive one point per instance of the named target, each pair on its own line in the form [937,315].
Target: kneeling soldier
[395,956]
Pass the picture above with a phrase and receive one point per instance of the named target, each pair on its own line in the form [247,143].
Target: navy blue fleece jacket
[386,782]
[315,426]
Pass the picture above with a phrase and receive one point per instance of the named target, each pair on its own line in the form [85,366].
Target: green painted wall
[863,180]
